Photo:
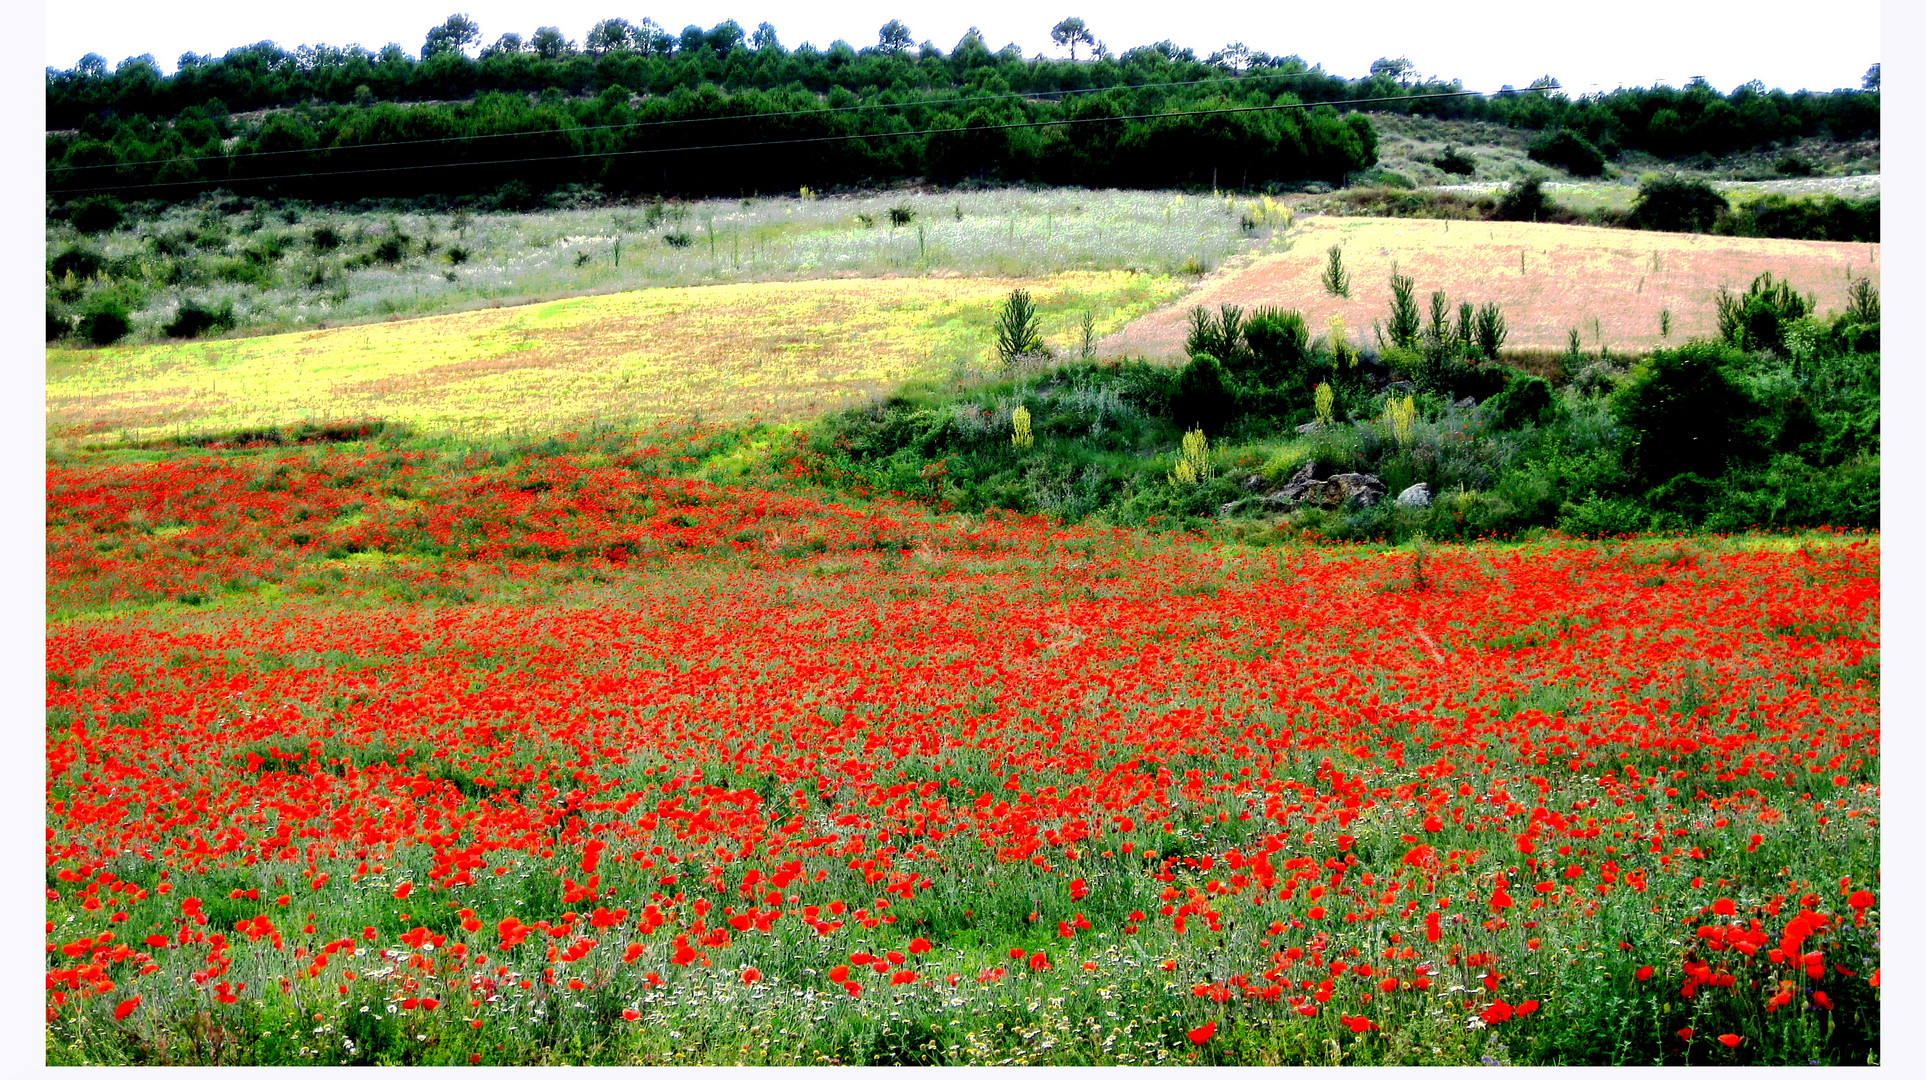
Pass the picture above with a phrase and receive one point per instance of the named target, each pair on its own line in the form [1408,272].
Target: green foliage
[1204,397]
[1455,161]
[1567,150]
[1017,335]
[194,320]
[1806,217]
[1684,412]
[104,321]
[81,262]
[1759,317]
[1674,203]
[1598,517]
[1336,279]
[97,214]
[1526,399]
[1403,325]
[1279,345]
[1488,328]
[1524,200]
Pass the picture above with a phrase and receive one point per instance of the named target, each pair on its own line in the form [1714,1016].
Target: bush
[1758,319]
[1814,217]
[514,196]
[57,323]
[1567,150]
[193,320]
[1525,200]
[97,214]
[1684,412]
[1279,344]
[1203,397]
[81,262]
[1676,204]
[1526,399]
[1597,517]
[104,322]
[1455,161]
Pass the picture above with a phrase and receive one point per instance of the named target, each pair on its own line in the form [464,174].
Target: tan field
[1612,285]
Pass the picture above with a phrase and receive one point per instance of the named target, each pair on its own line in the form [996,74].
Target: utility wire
[638,124]
[861,137]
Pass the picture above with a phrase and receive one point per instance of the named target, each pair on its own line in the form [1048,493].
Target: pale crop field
[778,351]
[1614,286]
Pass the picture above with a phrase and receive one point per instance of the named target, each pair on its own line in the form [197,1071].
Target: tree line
[627,106]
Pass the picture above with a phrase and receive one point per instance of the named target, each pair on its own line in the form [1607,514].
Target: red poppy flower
[1201,1035]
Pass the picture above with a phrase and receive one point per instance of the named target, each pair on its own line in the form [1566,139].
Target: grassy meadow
[774,352]
[289,267]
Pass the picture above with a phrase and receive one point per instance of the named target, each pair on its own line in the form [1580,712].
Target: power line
[635,125]
[861,137]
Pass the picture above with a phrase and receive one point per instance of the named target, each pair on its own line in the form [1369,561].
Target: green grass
[269,270]
[777,351]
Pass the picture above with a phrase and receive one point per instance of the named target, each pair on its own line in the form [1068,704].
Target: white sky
[1785,43]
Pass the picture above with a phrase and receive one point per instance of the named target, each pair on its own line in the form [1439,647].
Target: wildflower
[1201,1035]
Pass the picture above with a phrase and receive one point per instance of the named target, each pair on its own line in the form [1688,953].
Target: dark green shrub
[1809,217]
[1203,397]
[390,249]
[57,323]
[1757,319]
[1526,399]
[1676,204]
[1455,161]
[81,262]
[104,322]
[1791,165]
[900,216]
[324,238]
[193,320]
[1525,200]
[97,214]
[1279,345]
[1567,150]
[515,197]
[1684,412]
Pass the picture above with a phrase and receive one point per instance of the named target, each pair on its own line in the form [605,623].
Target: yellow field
[772,351]
[1610,284]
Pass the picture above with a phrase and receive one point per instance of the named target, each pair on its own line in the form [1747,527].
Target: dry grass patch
[774,351]
[1612,285]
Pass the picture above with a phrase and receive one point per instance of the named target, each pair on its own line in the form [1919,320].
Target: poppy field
[373,752]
